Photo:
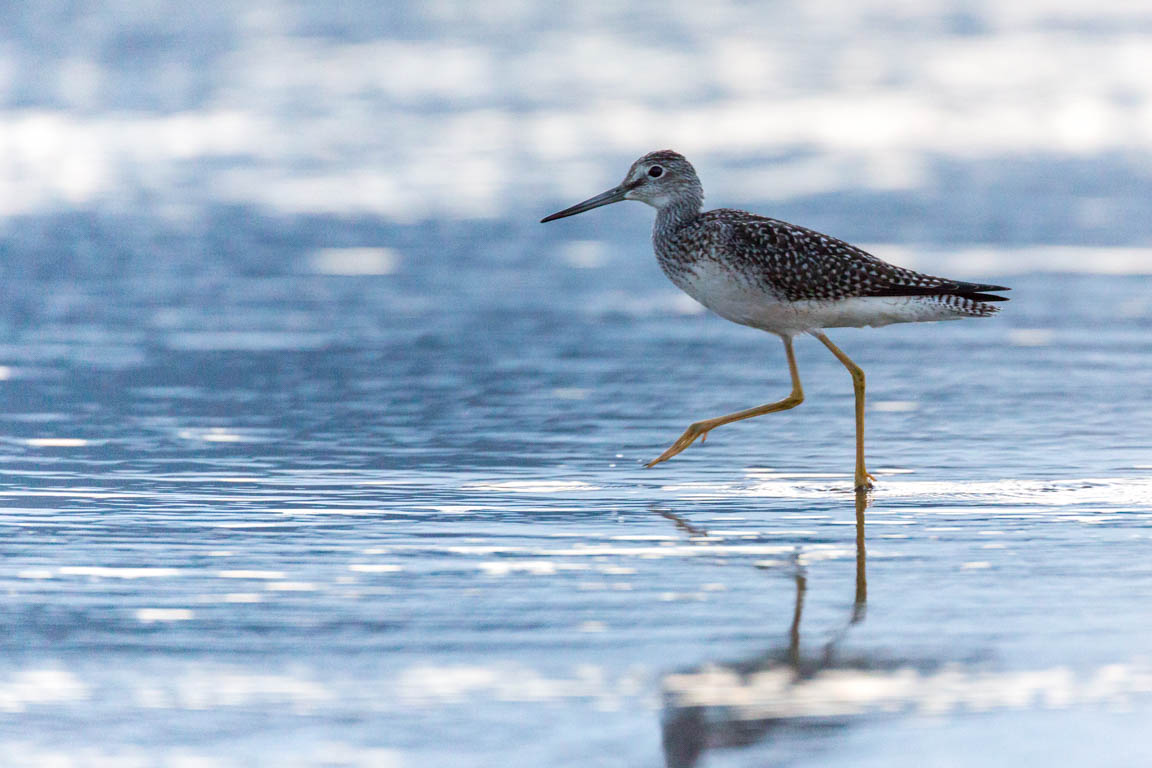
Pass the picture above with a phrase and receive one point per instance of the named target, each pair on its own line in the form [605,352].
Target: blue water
[316,450]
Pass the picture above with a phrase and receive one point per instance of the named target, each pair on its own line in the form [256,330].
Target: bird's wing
[801,264]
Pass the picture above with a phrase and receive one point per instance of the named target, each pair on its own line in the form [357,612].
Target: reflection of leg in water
[690,728]
[860,603]
[797,614]
[680,522]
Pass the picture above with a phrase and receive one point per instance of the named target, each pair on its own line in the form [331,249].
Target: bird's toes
[662,457]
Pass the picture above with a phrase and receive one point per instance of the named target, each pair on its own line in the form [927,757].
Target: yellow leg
[863,479]
[702,428]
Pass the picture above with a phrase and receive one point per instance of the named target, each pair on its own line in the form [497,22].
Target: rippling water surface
[288,478]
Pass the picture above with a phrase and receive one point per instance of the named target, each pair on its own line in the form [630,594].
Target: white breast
[724,292]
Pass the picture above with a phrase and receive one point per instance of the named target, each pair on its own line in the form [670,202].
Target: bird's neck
[676,215]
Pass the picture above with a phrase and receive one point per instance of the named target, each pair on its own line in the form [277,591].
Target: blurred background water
[318,450]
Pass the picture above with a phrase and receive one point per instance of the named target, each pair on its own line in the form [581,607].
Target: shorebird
[780,278]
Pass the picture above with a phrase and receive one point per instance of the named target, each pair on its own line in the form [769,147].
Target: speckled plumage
[795,263]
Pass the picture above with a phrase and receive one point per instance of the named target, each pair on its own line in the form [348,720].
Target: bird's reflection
[690,728]
[682,524]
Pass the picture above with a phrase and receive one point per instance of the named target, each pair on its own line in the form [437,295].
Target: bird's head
[659,178]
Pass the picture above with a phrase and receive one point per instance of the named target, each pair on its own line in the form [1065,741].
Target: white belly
[725,293]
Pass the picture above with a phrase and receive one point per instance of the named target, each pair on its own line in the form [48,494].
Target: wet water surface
[316,450]
[314,519]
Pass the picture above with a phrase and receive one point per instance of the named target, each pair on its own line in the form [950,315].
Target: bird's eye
[655,171]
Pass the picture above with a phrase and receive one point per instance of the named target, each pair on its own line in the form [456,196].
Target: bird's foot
[865,481]
[700,429]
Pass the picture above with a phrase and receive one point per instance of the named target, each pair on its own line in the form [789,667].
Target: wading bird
[780,278]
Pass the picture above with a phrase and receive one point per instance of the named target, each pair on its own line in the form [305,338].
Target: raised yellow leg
[863,478]
[702,428]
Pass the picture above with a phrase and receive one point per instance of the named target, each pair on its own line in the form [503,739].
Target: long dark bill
[614,195]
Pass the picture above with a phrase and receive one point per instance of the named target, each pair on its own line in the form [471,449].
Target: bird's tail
[979,291]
